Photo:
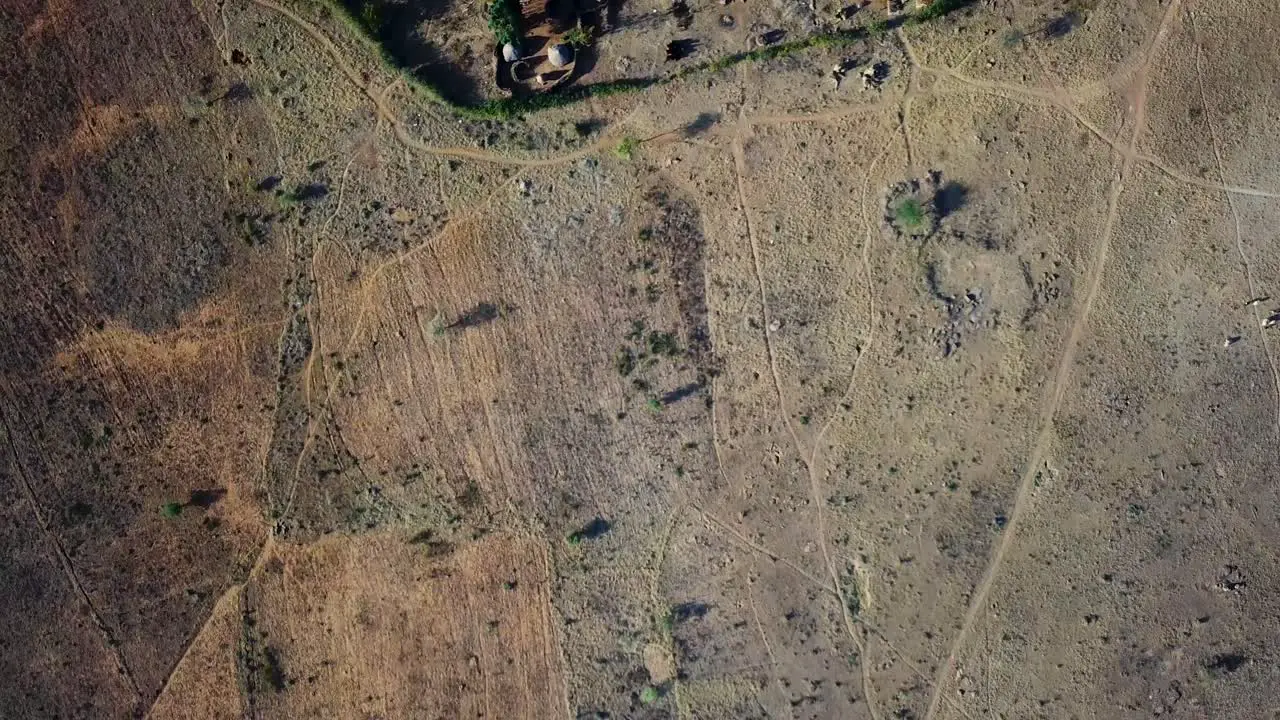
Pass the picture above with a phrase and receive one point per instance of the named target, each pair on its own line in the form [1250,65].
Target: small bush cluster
[504,21]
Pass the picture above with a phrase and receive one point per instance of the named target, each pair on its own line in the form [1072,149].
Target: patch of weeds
[937,9]
[472,496]
[910,216]
[650,695]
[574,538]
[663,343]
[852,593]
[438,325]
[654,404]
[577,37]
[624,362]
[271,670]
[504,21]
[171,509]
[371,18]
[637,331]
[667,623]
[626,149]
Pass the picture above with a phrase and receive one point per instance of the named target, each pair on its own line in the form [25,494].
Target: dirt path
[112,645]
[1062,376]
[1254,290]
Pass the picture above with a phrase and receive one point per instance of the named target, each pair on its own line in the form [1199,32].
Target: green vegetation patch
[504,21]
[910,216]
[937,9]
[626,149]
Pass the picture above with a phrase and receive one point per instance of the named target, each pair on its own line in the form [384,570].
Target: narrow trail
[860,641]
[366,294]
[1046,98]
[1058,389]
[768,650]
[1254,290]
[54,543]
[740,170]
[186,651]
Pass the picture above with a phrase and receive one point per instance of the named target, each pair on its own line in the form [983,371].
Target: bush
[171,510]
[910,217]
[577,37]
[371,18]
[504,21]
[937,9]
[627,148]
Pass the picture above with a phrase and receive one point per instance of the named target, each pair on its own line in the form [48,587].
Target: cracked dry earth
[319,402]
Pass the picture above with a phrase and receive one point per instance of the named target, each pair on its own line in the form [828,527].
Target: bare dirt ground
[320,402]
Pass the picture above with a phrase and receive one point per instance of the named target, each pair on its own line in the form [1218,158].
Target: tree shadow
[949,198]
[1061,25]
[681,49]
[597,528]
[483,313]
[681,393]
[702,123]
[205,499]
[689,611]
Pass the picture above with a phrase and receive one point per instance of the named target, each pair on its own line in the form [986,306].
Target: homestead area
[472,52]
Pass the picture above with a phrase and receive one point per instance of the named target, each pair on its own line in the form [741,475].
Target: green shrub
[910,217]
[577,37]
[937,9]
[624,362]
[663,343]
[171,510]
[649,695]
[627,148]
[504,21]
[371,18]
